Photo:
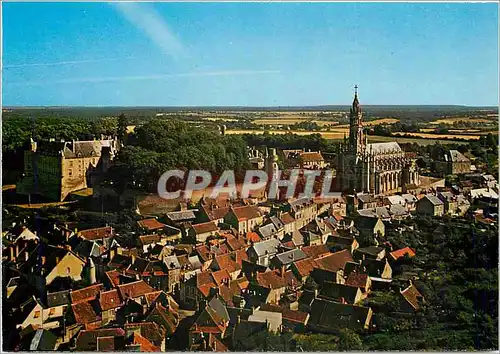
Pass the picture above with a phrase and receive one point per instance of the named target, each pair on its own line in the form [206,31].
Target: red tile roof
[240,256]
[286,218]
[287,314]
[253,237]
[217,213]
[221,277]
[305,266]
[402,252]
[234,243]
[357,279]
[205,227]
[114,277]
[205,282]
[84,312]
[334,261]
[227,262]
[110,300]
[311,156]
[152,331]
[271,280]
[247,212]
[135,289]
[151,224]
[97,233]
[106,344]
[145,345]
[86,294]
[149,239]
[315,251]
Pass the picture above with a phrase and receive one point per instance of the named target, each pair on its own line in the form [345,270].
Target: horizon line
[250,106]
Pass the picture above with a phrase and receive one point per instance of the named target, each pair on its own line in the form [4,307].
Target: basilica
[377,168]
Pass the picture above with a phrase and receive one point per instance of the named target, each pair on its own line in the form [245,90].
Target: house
[86,340]
[135,291]
[283,260]
[334,262]
[369,227]
[268,231]
[109,302]
[452,162]
[40,316]
[344,294]
[339,243]
[292,320]
[99,233]
[197,289]
[273,320]
[229,263]
[361,281]
[315,251]
[43,341]
[430,205]
[276,284]
[151,331]
[311,160]
[376,268]
[303,210]
[288,223]
[209,321]
[401,253]
[244,218]
[366,201]
[45,264]
[450,202]
[200,232]
[329,316]
[303,268]
[412,299]
[372,252]
[262,252]
[151,225]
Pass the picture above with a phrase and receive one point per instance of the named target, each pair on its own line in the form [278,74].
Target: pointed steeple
[355,102]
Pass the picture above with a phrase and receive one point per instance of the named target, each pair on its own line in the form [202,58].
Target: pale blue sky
[255,54]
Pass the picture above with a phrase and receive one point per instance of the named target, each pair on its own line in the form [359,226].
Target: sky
[249,54]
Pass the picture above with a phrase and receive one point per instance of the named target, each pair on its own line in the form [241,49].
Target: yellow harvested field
[221,119]
[291,121]
[438,136]
[461,119]
[324,134]
[381,121]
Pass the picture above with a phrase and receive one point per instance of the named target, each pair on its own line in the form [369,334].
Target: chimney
[17,250]
[238,319]
[44,259]
[26,256]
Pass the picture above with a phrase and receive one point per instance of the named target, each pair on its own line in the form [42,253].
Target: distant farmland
[338,134]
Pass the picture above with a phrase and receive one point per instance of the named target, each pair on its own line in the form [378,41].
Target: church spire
[355,103]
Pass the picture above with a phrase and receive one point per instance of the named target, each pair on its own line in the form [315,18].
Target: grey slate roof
[268,230]
[382,148]
[269,246]
[289,257]
[58,298]
[277,222]
[181,215]
[433,199]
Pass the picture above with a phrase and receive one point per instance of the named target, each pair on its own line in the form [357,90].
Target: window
[37,314]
